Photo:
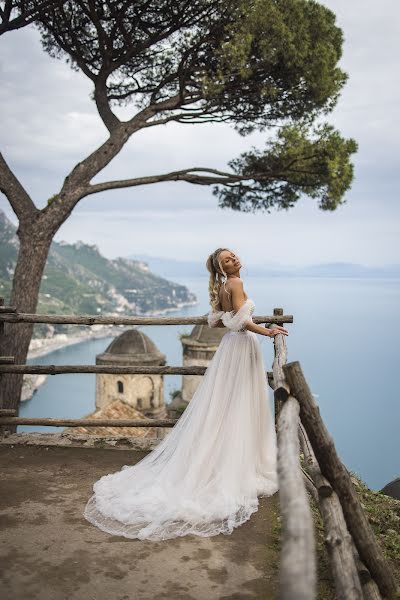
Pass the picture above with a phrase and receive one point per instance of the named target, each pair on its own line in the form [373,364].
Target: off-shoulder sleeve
[236,321]
[213,317]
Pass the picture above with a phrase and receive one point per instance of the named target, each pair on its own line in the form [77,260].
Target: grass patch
[383,514]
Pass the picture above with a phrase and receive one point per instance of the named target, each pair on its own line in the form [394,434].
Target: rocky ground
[48,551]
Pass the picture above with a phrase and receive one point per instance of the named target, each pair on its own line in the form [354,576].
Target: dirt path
[48,551]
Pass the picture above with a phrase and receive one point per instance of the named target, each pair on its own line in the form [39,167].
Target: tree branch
[192,175]
[16,194]
[25,16]
[189,175]
[109,119]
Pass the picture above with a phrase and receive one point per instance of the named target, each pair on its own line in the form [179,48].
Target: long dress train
[205,476]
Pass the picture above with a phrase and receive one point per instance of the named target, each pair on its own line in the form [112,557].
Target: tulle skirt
[205,476]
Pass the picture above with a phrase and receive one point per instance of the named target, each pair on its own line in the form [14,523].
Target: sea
[341,334]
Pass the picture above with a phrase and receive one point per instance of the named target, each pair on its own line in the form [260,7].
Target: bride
[205,476]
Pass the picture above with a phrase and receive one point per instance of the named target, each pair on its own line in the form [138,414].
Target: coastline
[42,346]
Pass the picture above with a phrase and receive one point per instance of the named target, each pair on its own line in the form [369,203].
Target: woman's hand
[276,329]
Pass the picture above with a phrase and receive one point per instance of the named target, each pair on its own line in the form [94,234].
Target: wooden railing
[359,568]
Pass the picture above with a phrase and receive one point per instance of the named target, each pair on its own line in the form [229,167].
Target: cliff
[78,280]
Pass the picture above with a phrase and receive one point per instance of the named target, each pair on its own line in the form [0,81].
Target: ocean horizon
[335,335]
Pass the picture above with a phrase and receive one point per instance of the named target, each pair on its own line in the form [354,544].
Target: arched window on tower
[120,386]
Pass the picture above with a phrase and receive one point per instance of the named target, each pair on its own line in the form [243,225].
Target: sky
[49,123]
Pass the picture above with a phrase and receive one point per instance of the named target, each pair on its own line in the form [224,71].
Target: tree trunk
[33,251]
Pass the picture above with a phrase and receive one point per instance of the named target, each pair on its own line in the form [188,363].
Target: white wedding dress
[205,476]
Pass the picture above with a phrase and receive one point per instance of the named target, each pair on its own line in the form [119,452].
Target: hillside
[78,280]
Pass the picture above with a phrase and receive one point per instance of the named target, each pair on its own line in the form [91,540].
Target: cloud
[50,123]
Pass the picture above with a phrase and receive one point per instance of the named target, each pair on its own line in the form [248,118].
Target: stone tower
[198,349]
[142,392]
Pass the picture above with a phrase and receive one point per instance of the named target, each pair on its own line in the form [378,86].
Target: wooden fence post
[337,537]
[298,558]
[334,470]
[281,389]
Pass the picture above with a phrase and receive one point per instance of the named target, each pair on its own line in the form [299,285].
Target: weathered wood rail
[359,568]
[9,315]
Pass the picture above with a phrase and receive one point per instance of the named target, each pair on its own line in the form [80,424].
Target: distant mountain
[168,267]
[78,280]
[181,268]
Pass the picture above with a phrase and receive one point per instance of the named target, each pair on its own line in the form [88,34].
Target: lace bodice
[234,321]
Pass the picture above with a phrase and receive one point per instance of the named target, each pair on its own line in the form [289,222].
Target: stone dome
[392,489]
[132,347]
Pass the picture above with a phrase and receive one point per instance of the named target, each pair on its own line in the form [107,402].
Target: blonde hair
[217,274]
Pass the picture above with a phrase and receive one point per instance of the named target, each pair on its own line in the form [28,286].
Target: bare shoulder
[238,293]
[235,284]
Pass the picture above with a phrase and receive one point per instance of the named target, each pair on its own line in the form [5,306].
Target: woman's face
[230,262]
